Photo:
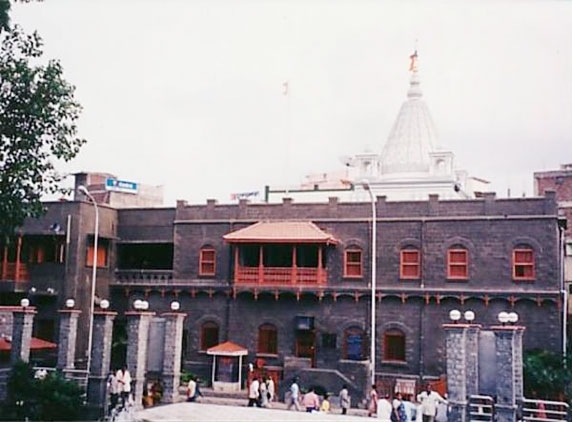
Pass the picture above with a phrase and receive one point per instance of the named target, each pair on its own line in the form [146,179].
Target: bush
[52,398]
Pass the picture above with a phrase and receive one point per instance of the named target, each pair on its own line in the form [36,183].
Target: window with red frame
[458,264]
[353,267]
[394,346]
[410,267]
[267,339]
[523,264]
[209,335]
[207,264]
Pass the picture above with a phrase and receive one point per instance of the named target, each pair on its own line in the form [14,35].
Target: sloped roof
[227,348]
[281,232]
[35,344]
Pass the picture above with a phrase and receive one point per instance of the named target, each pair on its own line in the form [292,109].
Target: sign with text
[120,186]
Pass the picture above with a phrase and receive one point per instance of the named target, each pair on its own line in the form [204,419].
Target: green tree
[547,375]
[50,399]
[38,114]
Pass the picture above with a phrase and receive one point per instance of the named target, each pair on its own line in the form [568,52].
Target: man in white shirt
[294,396]
[253,393]
[429,400]
[384,408]
[124,379]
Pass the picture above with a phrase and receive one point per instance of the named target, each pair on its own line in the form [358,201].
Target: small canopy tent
[227,374]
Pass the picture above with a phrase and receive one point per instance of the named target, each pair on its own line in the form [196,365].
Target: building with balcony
[290,282]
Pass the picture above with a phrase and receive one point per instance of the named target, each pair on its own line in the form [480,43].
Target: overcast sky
[189,94]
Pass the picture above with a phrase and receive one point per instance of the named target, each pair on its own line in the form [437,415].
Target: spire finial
[413,57]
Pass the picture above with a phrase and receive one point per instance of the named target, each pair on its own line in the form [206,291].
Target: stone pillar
[472,359]
[22,324]
[172,355]
[509,370]
[67,338]
[100,358]
[519,368]
[457,373]
[137,336]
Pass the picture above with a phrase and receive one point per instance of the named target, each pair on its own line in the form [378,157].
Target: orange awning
[35,344]
[281,232]
[227,348]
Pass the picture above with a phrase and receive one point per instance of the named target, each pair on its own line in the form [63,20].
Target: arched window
[458,263]
[209,335]
[353,265]
[410,263]
[207,261]
[353,344]
[267,339]
[523,263]
[394,346]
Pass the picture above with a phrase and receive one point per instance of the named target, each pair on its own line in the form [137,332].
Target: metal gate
[544,410]
[481,408]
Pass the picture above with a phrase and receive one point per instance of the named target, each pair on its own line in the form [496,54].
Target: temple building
[411,165]
[285,288]
[290,284]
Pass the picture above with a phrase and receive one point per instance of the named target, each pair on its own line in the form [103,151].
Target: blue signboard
[120,185]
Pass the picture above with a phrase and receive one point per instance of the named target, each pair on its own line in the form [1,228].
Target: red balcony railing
[280,276]
[14,272]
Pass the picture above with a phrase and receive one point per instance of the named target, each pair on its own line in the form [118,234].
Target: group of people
[431,407]
[311,402]
[261,392]
[119,387]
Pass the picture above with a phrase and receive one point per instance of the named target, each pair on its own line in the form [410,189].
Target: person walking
[113,388]
[271,388]
[192,390]
[254,393]
[263,394]
[311,401]
[294,395]
[384,409]
[429,400]
[373,398]
[399,414]
[344,397]
[410,409]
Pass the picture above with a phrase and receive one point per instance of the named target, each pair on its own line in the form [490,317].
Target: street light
[455,315]
[84,190]
[367,187]
[503,317]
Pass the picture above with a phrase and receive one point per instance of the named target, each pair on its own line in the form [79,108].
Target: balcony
[12,271]
[280,276]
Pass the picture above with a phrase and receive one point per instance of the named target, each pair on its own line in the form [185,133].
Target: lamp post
[84,190]
[366,186]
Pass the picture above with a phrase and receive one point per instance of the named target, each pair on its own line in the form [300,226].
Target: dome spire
[414,89]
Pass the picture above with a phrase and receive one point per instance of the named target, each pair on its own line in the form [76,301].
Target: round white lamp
[175,306]
[455,315]
[144,305]
[138,304]
[512,317]
[24,303]
[469,316]
[70,303]
[503,317]
[104,304]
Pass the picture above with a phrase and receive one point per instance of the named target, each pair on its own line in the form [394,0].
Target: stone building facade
[290,282]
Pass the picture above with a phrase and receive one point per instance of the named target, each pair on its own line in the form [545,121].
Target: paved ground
[206,412]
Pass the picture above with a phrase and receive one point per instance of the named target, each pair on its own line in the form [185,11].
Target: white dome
[412,137]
